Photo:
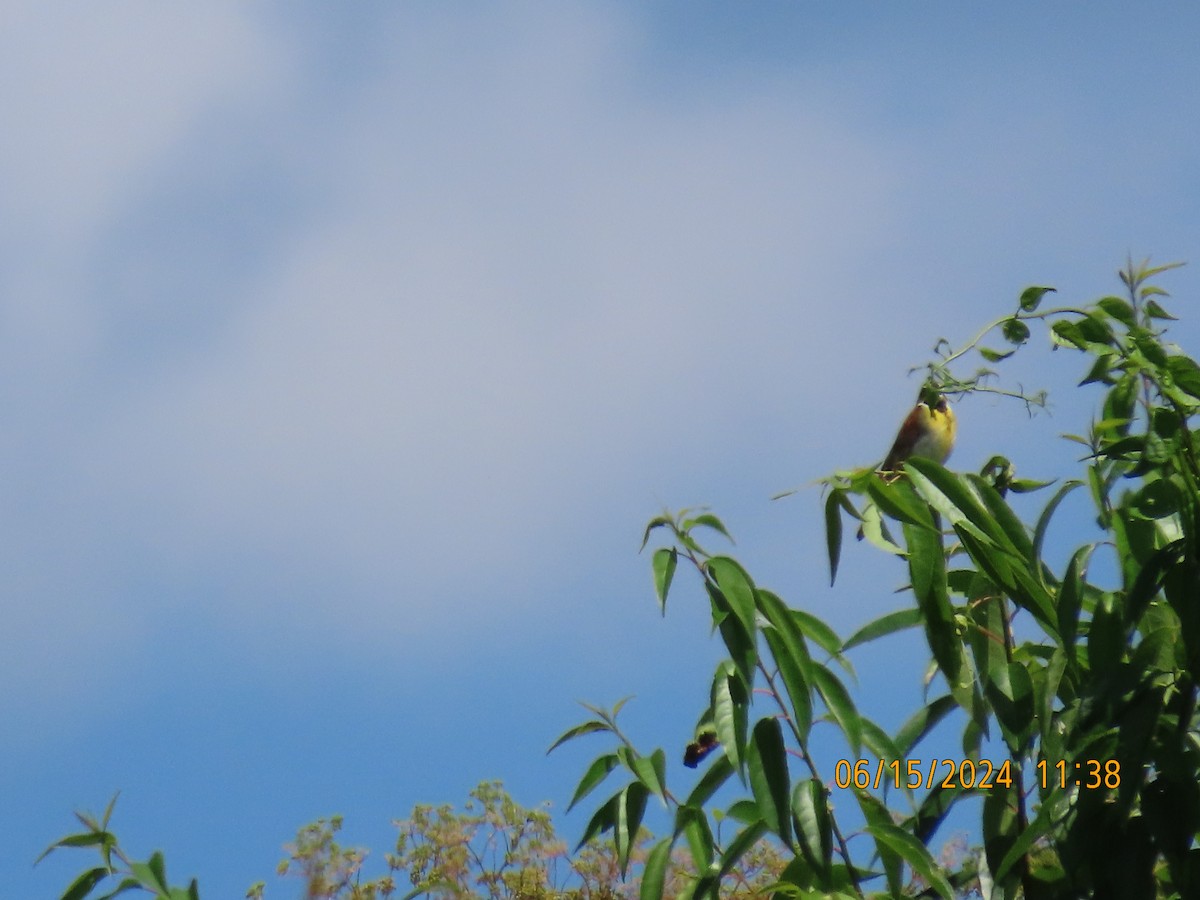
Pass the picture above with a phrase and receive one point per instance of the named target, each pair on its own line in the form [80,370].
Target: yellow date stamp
[981,775]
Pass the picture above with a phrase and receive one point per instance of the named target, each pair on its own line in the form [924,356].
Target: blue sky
[347,348]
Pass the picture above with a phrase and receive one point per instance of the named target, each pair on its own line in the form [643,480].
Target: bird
[927,432]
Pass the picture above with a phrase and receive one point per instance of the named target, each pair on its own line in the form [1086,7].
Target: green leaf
[1185,373]
[1031,297]
[840,706]
[578,731]
[656,522]
[1043,522]
[1149,346]
[914,853]
[766,760]
[814,828]
[708,520]
[654,873]
[82,886]
[883,626]
[1066,334]
[90,839]
[876,533]
[1147,272]
[1006,835]
[1028,485]
[735,585]
[878,741]
[664,561]
[730,705]
[744,811]
[935,807]
[1154,311]
[833,532]
[1100,370]
[791,670]
[1120,400]
[1094,330]
[1150,579]
[922,722]
[731,591]
[150,876]
[927,573]
[692,823]
[1014,530]
[995,356]
[1015,331]
[818,632]
[627,820]
[710,782]
[874,811]
[743,841]
[595,774]
[792,627]
[1010,691]
[1166,422]
[1070,598]
[897,499]
[952,498]
[1106,638]
[649,770]
[1118,309]
[602,820]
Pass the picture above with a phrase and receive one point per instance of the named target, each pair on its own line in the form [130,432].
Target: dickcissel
[928,432]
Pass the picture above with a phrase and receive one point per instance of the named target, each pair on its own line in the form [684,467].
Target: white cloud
[524,280]
[93,97]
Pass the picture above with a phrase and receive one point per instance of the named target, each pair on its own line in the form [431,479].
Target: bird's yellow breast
[936,439]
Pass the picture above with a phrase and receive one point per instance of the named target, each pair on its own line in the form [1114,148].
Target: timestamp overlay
[981,775]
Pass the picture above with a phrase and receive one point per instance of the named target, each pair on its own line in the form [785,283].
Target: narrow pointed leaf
[874,811]
[841,707]
[710,782]
[922,722]
[818,632]
[814,829]
[927,571]
[656,522]
[737,587]
[745,839]
[595,774]
[630,809]
[82,886]
[664,561]
[794,682]
[578,731]
[708,520]
[1043,522]
[654,873]
[883,626]
[766,760]
[730,705]
[602,820]
[914,853]
[833,532]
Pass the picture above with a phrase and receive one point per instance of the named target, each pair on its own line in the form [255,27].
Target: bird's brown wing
[906,439]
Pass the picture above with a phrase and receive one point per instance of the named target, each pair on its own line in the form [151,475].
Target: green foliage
[117,874]
[1093,696]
